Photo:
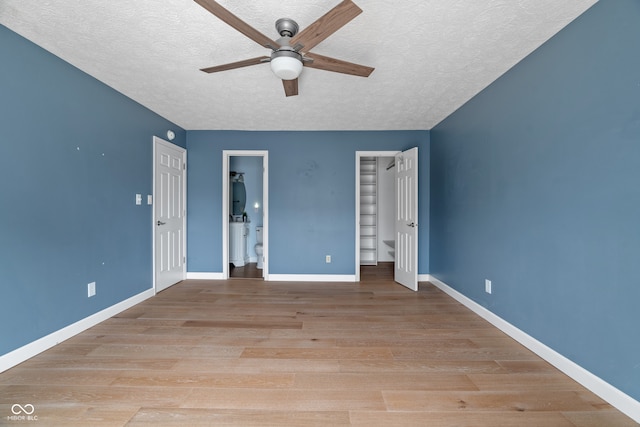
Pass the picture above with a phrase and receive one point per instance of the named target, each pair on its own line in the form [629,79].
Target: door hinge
[184,259]
[184,166]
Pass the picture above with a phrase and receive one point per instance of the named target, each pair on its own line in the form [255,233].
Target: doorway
[386,215]
[375,198]
[245,214]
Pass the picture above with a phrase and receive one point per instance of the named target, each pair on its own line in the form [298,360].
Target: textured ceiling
[430,56]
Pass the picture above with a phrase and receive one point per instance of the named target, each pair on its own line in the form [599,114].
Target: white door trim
[360,154]
[159,141]
[226,154]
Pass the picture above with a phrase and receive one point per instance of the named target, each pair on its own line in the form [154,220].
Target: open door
[169,190]
[406,263]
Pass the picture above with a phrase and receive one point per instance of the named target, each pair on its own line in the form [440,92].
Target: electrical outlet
[487,286]
[91,289]
[327,259]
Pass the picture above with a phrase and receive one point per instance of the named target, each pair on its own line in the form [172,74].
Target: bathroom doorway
[245,214]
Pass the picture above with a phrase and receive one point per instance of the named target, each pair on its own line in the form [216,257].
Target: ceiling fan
[291,51]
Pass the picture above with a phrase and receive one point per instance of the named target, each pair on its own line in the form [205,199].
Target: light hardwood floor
[249,352]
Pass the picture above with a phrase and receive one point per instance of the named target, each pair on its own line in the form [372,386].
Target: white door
[406,264]
[169,214]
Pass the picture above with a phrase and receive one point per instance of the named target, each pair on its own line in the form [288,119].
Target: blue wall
[535,185]
[74,154]
[311,196]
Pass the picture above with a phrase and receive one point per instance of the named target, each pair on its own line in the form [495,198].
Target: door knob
[161,223]
[413,224]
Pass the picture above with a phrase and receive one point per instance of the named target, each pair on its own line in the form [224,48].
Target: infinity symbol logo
[19,409]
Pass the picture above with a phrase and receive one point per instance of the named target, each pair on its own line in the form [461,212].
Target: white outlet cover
[487,286]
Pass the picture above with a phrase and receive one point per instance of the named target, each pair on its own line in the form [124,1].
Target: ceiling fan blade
[290,87]
[337,65]
[326,25]
[233,65]
[223,14]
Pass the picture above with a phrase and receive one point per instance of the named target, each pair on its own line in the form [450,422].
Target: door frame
[359,155]
[159,141]
[226,154]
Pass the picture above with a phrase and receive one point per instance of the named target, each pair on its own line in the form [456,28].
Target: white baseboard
[284,277]
[620,400]
[27,351]
[204,276]
[312,277]
[424,277]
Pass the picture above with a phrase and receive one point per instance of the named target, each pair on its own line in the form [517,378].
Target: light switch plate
[138,199]
[91,289]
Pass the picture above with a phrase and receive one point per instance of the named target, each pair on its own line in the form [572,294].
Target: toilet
[258,247]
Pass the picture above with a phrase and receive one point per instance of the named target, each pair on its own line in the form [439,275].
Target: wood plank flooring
[255,353]
[247,271]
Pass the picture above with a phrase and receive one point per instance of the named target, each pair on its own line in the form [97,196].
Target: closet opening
[375,203]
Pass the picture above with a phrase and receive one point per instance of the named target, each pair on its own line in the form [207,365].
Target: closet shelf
[368,204]
[390,243]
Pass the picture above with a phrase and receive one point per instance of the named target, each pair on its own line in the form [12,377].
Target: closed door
[406,219]
[169,214]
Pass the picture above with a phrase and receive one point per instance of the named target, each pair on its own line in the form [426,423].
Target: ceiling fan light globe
[286,67]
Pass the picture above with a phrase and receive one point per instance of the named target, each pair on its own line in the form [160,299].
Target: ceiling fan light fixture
[286,64]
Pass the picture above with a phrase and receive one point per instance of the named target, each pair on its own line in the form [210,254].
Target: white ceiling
[430,56]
